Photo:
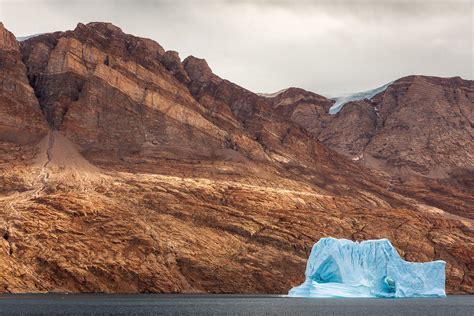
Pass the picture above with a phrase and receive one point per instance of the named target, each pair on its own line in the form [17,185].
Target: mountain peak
[101,26]
[197,69]
[7,39]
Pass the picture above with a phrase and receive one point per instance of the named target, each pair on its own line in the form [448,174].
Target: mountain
[417,129]
[416,124]
[125,169]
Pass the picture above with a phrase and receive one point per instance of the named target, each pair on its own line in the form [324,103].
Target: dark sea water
[168,304]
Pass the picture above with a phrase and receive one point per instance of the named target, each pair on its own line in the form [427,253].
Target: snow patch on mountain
[365,95]
[24,38]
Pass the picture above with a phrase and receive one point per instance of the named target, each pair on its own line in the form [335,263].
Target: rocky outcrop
[21,120]
[425,124]
[7,39]
[304,108]
[160,176]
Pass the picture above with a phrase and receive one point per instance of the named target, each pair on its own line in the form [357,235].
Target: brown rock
[418,124]
[20,116]
[173,63]
[7,39]
[418,131]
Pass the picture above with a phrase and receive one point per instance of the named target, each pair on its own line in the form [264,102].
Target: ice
[366,95]
[24,38]
[372,268]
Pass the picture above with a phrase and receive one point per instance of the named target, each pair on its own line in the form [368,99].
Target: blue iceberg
[371,268]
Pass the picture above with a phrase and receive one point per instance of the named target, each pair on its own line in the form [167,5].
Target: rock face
[417,124]
[21,119]
[152,174]
[371,268]
[418,130]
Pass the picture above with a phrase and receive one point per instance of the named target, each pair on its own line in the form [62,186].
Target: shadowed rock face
[21,119]
[157,175]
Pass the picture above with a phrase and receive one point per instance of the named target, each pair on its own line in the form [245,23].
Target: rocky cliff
[22,121]
[417,125]
[418,131]
[125,169]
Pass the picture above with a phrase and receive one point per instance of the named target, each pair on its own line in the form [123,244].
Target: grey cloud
[324,46]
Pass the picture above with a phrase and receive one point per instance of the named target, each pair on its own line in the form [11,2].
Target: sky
[328,47]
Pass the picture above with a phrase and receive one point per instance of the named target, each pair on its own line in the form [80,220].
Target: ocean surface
[202,304]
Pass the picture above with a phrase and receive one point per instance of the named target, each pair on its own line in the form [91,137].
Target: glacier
[24,38]
[371,268]
[366,95]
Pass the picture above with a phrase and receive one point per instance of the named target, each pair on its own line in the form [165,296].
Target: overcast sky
[329,47]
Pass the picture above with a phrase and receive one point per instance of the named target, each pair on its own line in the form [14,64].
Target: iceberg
[371,268]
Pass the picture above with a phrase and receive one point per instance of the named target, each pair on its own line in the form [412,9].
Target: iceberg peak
[370,268]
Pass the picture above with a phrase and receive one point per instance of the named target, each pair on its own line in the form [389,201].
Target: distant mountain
[415,124]
[417,129]
[125,169]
